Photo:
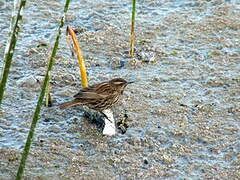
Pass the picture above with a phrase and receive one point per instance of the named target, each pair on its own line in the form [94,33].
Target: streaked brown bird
[100,96]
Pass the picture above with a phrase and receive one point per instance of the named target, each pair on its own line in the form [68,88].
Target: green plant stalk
[14,15]
[47,93]
[10,47]
[41,97]
[132,36]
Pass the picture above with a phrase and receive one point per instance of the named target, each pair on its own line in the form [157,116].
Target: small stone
[147,56]
[65,93]
[28,82]
[33,50]
[117,63]
[42,43]
[54,129]
[145,161]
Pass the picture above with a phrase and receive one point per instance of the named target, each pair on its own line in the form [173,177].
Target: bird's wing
[89,95]
[98,91]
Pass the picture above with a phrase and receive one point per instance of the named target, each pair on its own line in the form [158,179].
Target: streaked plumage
[100,96]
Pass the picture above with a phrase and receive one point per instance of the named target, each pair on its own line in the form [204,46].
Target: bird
[100,96]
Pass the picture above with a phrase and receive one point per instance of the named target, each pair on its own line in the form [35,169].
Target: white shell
[109,128]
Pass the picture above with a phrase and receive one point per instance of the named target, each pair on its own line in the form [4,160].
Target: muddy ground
[183,110]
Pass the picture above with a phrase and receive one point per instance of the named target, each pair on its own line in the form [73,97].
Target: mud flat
[183,111]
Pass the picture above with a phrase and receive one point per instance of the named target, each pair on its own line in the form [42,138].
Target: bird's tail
[70,104]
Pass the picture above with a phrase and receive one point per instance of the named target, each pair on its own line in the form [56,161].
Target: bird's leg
[105,116]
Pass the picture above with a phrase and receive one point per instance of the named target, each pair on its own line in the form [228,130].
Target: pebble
[145,161]
[117,63]
[147,57]
[28,81]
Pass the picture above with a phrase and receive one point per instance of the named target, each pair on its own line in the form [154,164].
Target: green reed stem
[132,36]
[41,97]
[10,47]
[47,94]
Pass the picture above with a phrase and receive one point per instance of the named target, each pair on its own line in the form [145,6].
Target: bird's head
[119,83]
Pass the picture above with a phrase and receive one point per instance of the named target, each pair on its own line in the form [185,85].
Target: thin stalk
[14,14]
[80,58]
[48,94]
[10,47]
[41,97]
[132,36]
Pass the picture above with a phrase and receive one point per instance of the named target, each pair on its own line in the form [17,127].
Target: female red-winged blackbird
[100,96]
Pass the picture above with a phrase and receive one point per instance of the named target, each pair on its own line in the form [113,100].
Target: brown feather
[70,104]
[99,96]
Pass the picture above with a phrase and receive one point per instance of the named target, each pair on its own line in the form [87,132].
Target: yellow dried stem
[132,36]
[79,57]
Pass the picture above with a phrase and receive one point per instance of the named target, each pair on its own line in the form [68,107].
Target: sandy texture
[183,110]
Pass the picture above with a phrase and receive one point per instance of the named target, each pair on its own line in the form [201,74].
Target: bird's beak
[130,82]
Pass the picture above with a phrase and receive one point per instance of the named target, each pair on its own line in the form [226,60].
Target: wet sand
[183,109]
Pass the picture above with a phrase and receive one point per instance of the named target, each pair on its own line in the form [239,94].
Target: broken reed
[41,97]
[80,58]
[10,47]
[132,36]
